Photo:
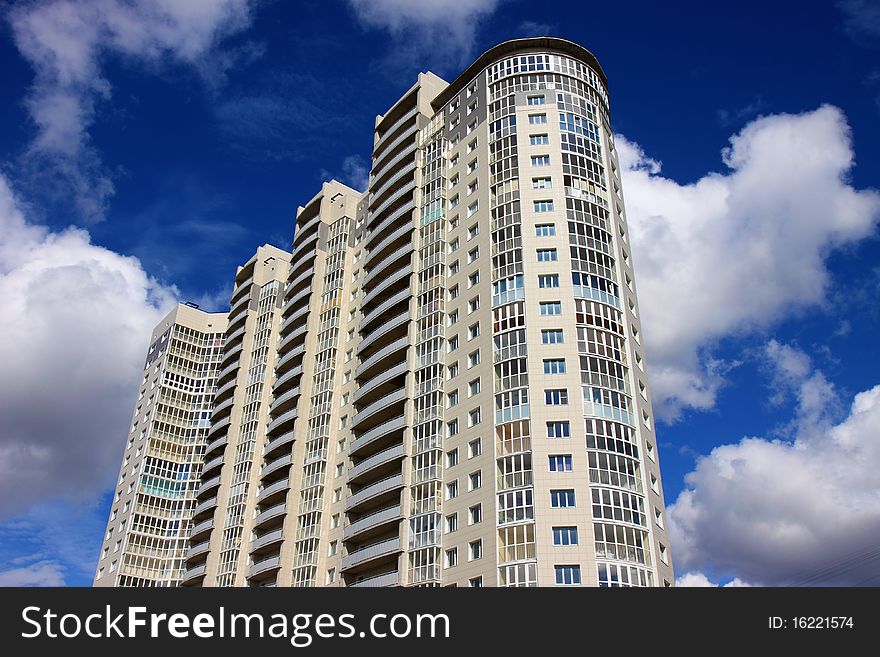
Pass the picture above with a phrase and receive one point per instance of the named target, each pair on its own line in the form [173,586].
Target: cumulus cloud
[66,42]
[443,29]
[695,579]
[42,573]
[77,318]
[354,172]
[780,512]
[741,250]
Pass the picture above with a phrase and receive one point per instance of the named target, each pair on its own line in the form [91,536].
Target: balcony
[387,579]
[270,513]
[392,129]
[387,282]
[301,278]
[267,540]
[287,377]
[210,465]
[370,463]
[207,505]
[405,155]
[280,486]
[208,484]
[296,299]
[381,487]
[376,433]
[370,362]
[201,528]
[372,521]
[282,400]
[385,306]
[272,466]
[218,427]
[264,566]
[198,549]
[375,384]
[226,371]
[231,352]
[281,421]
[193,574]
[223,390]
[294,319]
[289,357]
[281,441]
[389,183]
[221,408]
[377,407]
[386,329]
[371,552]
[292,338]
[386,150]
[232,337]
[402,236]
[215,445]
[381,229]
[239,306]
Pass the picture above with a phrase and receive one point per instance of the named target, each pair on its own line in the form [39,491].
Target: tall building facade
[148,530]
[459,394]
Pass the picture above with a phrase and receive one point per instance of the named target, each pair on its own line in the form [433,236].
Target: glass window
[568,575]
[551,308]
[560,463]
[562,498]
[565,536]
[543,206]
[537,119]
[545,230]
[559,429]
[547,255]
[551,336]
[556,397]
[539,140]
[548,280]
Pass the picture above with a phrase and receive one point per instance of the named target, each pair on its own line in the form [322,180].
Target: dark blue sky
[208,165]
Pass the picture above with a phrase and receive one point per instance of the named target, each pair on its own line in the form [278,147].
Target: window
[562,498]
[473,279]
[472,166]
[452,399]
[545,230]
[453,245]
[537,119]
[452,427]
[556,397]
[453,343]
[473,331]
[474,358]
[473,387]
[331,575]
[472,107]
[337,495]
[452,317]
[475,550]
[472,208]
[471,127]
[542,183]
[473,305]
[565,536]
[538,140]
[475,514]
[474,417]
[453,223]
[535,100]
[453,292]
[451,557]
[568,575]
[473,231]
[452,458]
[559,429]
[475,448]
[560,463]
[332,548]
[551,308]
[452,490]
[547,255]
[454,161]
[551,336]
[543,205]
[473,254]
[540,160]
[453,268]
[473,186]
[454,201]
[451,523]
[475,582]
[548,280]
[452,371]
[475,480]
[554,366]
[334,521]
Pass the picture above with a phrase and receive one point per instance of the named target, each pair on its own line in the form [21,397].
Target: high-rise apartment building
[459,394]
[148,530]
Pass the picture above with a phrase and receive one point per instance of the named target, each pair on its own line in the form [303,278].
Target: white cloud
[445,28]
[77,317]
[41,573]
[66,42]
[695,579]
[353,171]
[738,251]
[774,512]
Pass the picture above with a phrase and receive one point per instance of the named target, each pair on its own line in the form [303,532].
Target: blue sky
[146,149]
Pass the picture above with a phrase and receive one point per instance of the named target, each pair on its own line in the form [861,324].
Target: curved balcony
[389,149]
[218,427]
[296,299]
[386,579]
[406,155]
[372,522]
[369,464]
[377,312]
[305,229]
[377,192]
[268,539]
[282,363]
[232,337]
[270,514]
[283,400]
[232,368]
[201,528]
[405,209]
[376,408]
[392,129]
[225,389]
[267,493]
[375,434]
[202,507]
[374,490]
[192,574]
[208,484]
[213,464]
[280,422]
[294,283]
[281,441]
[287,377]
[386,232]
[292,338]
[265,566]
[377,358]
[222,408]
[393,198]
[387,281]
[197,549]
[272,466]
[231,352]
[370,553]
[239,306]
[303,255]
[294,319]
[377,385]
[215,445]
[387,329]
